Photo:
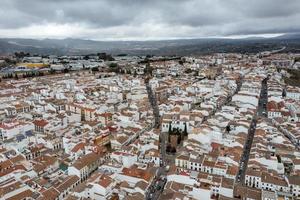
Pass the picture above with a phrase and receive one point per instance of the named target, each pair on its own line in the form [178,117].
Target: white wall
[73,171]
[227,192]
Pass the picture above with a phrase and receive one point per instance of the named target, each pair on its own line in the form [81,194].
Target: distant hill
[291,36]
[70,46]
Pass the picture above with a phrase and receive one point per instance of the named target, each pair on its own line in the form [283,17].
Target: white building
[84,166]
[12,129]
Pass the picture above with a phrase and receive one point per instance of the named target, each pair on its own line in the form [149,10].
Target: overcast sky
[147,19]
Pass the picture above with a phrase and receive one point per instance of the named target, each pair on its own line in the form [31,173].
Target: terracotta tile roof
[232,170]
[296,161]
[46,160]
[142,184]
[245,192]
[86,160]
[40,123]
[71,197]
[17,159]
[67,183]
[5,164]
[105,181]
[22,195]
[79,146]
[207,163]
[227,183]
[251,172]
[9,188]
[183,157]
[273,179]
[137,173]
[50,194]
[122,139]
[135,196]
[12,169]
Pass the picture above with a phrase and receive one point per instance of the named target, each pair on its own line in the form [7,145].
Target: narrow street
[228,99]
[246,152]
[153,102]
[287,135]
[263,100]
[157,185]
[156,188]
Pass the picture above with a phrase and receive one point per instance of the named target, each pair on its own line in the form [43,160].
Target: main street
[261,112]
[263,100]
[158,184]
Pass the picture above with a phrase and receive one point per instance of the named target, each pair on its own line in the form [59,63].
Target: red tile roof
[78,147]
[40,123]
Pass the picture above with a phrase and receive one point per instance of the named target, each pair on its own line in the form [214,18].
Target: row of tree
[179,134]
[24,75]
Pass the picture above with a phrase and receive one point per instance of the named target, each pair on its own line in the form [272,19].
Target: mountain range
[71,46]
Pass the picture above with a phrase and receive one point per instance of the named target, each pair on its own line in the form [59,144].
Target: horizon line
[232,37]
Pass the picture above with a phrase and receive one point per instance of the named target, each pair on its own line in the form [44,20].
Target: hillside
[71,46]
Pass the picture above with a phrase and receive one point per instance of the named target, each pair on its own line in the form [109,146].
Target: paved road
[263,100]
[158,184]
[261,112]
[156,188]
[153,102]
[246,152]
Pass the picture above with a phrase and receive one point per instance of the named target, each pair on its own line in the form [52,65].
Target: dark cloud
[106,19]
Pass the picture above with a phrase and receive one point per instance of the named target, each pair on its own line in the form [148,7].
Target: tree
[105,57]
[168,148]
[113,67]
[179,139]
[10,62]
[185,129]
[52,71]
[122,55]
[95,69]
[121,71]
[188,71]
[283,93]
[170,128]
[21,54]
[148,69]
[173,150]
[228,128]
